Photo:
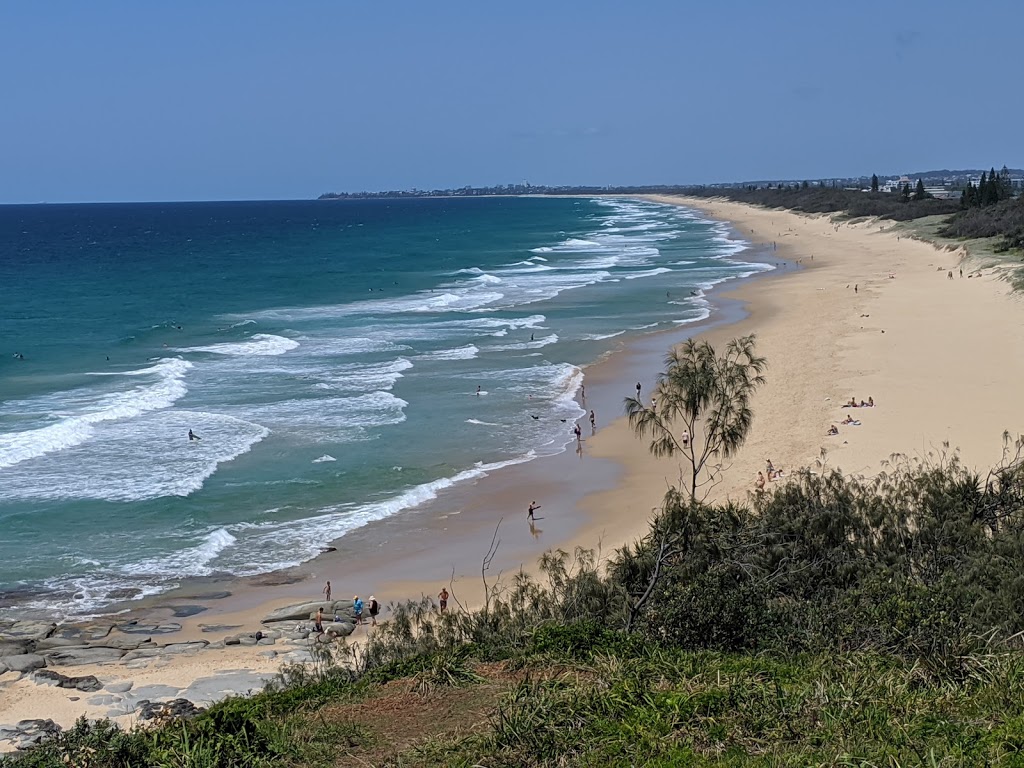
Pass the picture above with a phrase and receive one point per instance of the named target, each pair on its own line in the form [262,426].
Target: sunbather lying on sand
[850,420]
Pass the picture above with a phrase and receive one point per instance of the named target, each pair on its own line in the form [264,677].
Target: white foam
[74,429]
[601,336]
[258,344]
[146,457]
[648,273]
[482,423]
[467,352]
[325,458]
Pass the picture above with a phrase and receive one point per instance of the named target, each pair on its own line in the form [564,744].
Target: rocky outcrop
[85,654]
[25,630]
[25,662]
[86,683]
[28,733]
[165,710]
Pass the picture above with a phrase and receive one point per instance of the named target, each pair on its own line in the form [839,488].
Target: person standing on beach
[357,608]
[534,506]
[442,599]
[318,624]
[327,591]
[593,421]
[583,392]
[578,432]
[638,390]
[374,608]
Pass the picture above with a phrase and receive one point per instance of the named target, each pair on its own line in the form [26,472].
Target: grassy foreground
[584,696]
[836,621]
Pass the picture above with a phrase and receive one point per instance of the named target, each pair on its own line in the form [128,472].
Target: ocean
[340,361]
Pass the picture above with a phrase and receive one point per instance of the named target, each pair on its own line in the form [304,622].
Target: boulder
[339,629]
[126,642]
[56,641]
[3,666]
[86,683]
[28,733]
[135,628]
[297,611]
[121,687]
[156,651]
[15,647]
[26,630]
[167,709]
[86,654]
[26,662]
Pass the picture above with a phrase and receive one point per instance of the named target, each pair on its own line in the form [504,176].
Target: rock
[266,641]
[26,630]
[157,651]
[235,640]
[296,612]
[216,644]
[103,700]
[339,629]
[126,642]
[135,628]
[122,687]
[86,683]
[151,692]
[3,666]
[26,662]
[48,643]
[14,647]
[247,640]
[184,611]
[71,657]
[138,664]
[28,733]
[167,709]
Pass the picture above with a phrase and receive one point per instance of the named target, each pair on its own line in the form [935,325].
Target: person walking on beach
[583,392]
[374,608]
[638,391]
[685,438]
[593,421]
[327,591]
[442,599]
[318,624]
[534,506]
[357,608]
[578,432]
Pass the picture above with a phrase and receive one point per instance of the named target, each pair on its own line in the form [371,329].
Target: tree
[708,397]
[919,193]
[874,183]
[983,189]
[905,191]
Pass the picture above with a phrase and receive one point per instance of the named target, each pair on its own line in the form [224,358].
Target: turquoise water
[327,353]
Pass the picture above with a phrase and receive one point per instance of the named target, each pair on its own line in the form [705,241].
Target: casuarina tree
[701,410]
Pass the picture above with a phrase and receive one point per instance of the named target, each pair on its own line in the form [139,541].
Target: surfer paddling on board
[192,436]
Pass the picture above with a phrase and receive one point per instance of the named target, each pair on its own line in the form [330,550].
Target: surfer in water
[192,436]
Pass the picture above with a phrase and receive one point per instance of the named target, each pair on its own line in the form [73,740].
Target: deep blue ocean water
[327,353]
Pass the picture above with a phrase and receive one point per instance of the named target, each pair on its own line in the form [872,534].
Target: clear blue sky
[141,100]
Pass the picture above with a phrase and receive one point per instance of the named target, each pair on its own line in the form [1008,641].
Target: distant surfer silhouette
[192,436]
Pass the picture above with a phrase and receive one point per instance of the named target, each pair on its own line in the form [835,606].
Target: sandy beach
[853,313]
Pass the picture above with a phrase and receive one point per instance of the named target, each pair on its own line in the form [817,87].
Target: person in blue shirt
[357,607]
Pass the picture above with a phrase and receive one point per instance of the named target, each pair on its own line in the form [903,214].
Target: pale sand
[946,368]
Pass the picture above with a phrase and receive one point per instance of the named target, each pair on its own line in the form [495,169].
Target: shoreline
[892,339]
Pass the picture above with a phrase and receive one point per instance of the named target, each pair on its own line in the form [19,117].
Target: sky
[135,101]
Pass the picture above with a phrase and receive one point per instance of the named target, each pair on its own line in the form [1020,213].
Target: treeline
[854,202]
